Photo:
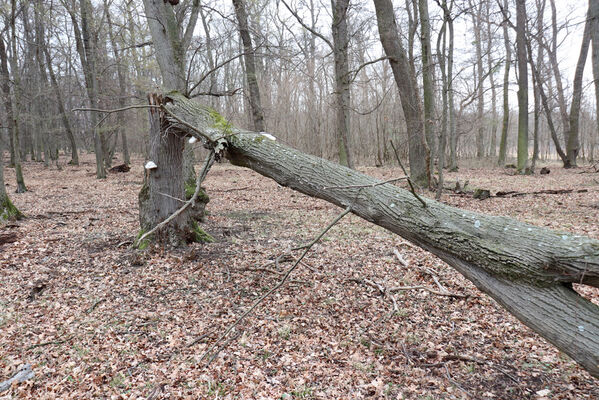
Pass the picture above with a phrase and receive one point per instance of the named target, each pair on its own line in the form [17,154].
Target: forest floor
[96,319]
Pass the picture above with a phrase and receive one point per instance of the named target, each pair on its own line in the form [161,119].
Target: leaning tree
[529,270]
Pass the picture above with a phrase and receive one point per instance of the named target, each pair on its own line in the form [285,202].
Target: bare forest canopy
[295,72]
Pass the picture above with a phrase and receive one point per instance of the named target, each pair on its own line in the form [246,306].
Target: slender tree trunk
[522,86]
[594,20]
[537,95]
[250,66]
[480,80]
[16,103]
[453,136]
[342,82]
[7,210]
[506,86]
[545,103]
[442,52]
[573,144]
[428,82]
[491,67]
[122,87]
[86,47]
[44,60]
[408,92]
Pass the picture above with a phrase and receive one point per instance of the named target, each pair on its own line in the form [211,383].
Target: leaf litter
[96,319]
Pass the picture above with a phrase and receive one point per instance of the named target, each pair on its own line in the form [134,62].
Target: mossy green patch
[144,243]
[8,211]
[200,235]
[219,122]
[190,189]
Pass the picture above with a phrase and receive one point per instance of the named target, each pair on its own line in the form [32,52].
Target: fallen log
[24,373]
[514,193]
[529,270]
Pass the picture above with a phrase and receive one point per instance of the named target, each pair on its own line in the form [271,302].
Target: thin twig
[190,202]
[171,197]
[366,186]
[50,343]
[281,282]
[400,258]
[412,189]
[117,109]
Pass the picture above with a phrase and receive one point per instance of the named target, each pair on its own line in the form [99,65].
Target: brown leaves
[119,324]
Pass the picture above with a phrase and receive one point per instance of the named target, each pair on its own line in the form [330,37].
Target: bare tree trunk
[250,66]
[594,20]
[480,79]
[545,102]
[16,103]
[86,47]
[174,168]
[408,92]
[453,135]
[573,144]
[552,54]
[529,270]
[537,96]
[122,87]
[522,86]
[491,68]
[7,210]
[441,54]
[342,79]
[44,60]
[428,88]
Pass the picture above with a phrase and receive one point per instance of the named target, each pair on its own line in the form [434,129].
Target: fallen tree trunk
[529,270]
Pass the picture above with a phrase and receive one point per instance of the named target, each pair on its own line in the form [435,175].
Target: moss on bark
[8,212]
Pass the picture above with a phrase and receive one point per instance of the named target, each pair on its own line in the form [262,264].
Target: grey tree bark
[408,92]
[165,186]
[573,143]
[594,20]
[45,61]
[428,87]
[86,42]
[16,98]
[491,68]
[249,59]
[342,79]
[529,270]
[477,21]
[506,83]
[7,210]
[522,59]
[119,60]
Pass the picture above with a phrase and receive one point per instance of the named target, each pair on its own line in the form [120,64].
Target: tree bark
[45,61]
[174,172]
[16,100]
[527,269]
[428,89]
[506,82]
[594,17]
[491,67]
[122,87]
[249,59]
[477,20]
[573,143]
[86,47]
[522,86]
[408,92]
[342,79]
